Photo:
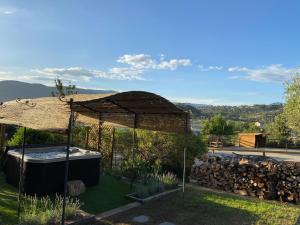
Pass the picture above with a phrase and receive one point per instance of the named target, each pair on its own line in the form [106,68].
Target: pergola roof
[138,109]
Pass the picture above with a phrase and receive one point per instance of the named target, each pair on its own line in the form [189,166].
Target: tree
[279,129]
[154,146]
[245,127]
[292,107]
[62,90]
[218,125]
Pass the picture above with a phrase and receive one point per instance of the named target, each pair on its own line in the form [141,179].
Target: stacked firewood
[256,176]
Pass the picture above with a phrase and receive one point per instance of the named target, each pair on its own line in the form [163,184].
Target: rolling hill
[10,90]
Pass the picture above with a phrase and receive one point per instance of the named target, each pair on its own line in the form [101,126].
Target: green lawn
[204,207]
[8,202]
[108,194]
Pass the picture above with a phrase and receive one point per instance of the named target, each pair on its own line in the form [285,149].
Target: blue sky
[213,52]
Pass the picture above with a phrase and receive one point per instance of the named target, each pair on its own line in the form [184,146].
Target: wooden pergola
[134,109]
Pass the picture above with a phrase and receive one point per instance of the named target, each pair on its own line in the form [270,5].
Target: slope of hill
[248,113]
[10,90]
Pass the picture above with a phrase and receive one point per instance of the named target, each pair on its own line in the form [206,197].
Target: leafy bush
[156,183]
[44,211]
[139,168]
[35,137]
[165,148]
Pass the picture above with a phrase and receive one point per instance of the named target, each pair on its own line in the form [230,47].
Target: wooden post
[67,162]
[2,138]
[184,156]
[21,172]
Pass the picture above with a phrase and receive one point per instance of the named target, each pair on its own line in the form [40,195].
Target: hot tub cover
[152,112]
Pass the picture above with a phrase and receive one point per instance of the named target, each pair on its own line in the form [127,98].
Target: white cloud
[210,68]
[8,10]
[172,64]
[140,61]
[270,73]
[6,75]
[206,101]
[136,66]
[238,69]
[143,61]
[68,74]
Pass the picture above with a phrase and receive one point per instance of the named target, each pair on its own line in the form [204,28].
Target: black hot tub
[44,168]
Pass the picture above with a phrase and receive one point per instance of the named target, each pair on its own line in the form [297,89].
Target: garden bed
[82,218]
[134,197]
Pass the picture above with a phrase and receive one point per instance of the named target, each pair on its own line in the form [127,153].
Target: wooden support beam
[21,172]
[184,156]
[2,138]
[71,120]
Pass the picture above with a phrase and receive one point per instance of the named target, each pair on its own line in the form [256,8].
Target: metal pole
[21,172]
[67,163]
[184,157]
[87,136]
[134,136]
[99,133]
[112,148]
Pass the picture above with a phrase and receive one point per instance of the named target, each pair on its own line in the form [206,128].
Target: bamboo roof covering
[137,109]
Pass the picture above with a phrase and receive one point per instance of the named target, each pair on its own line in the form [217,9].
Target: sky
[208,52]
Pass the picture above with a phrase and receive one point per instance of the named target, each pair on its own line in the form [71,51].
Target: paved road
[280,155]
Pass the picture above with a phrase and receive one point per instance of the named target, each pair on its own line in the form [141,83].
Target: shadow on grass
[108,194]
[197,210]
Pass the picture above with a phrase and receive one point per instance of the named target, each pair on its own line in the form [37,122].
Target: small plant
[44,211]
[169,180]
[139,169]
[114,172]
[156,183]
[141,191]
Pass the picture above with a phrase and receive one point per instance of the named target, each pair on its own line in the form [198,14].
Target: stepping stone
[167,223]
[141,219]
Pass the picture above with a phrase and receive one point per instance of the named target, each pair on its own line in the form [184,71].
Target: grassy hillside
[10,90]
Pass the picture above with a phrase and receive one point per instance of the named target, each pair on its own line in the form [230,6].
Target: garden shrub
[169,180]
[45,211]
[167,148]
[35,137]
[138,168]
[156,183]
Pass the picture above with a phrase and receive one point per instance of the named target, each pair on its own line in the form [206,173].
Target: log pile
[257,176]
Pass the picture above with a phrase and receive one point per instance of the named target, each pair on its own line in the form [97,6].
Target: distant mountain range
[249,113]
[10,90]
